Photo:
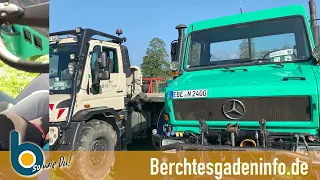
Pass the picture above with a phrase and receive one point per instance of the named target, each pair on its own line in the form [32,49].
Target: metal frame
[88,33]
[151,80]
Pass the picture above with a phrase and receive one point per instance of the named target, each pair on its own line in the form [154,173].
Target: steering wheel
[35,16]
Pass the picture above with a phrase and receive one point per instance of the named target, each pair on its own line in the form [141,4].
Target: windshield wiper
[233,70]
[275,63]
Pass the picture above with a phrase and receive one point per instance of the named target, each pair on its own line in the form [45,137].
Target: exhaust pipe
[181,37]
[248,143]
[314,25]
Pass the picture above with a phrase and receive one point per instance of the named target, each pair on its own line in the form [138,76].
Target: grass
[13,81]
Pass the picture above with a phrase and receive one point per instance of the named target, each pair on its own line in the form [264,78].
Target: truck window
[275,40]
[60,79]
[94,55]
[265,44]
[54,65]
[195,55]
[112,58]
[228,50]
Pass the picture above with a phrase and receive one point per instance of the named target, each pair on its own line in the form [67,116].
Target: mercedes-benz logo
[233,109]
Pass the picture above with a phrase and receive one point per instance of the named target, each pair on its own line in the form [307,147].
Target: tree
[244,49]
[155,63]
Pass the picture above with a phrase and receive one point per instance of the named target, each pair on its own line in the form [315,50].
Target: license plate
[60,84]
[189,94]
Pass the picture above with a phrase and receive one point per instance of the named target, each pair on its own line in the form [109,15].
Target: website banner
[159,165]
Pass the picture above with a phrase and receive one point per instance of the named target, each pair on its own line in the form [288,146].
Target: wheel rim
[99,145]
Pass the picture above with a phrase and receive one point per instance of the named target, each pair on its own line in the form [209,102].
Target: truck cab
[245,80]
[90,84]
[87,79]
[95,94]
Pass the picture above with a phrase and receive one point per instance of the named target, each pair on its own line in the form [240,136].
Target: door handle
[119,91]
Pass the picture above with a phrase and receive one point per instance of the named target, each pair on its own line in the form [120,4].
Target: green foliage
[155,62]
[244,49]
[13,81]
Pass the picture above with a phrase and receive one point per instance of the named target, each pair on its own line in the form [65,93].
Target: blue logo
[171,94]
[26,158]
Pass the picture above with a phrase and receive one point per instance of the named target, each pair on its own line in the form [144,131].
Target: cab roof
[249,17]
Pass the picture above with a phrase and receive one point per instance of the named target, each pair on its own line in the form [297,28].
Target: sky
[143,20]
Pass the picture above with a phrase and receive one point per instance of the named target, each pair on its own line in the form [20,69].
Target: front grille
[295,108]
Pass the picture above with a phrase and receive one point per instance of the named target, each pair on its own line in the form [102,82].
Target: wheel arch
[106,114]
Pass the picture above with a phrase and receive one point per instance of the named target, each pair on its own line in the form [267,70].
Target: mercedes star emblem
[233,109]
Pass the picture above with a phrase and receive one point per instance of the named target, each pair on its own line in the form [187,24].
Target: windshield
[273,41]
[60,78]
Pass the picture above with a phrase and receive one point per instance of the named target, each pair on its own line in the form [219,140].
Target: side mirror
[174,45]
[316,52]
[104,73]
[102,61]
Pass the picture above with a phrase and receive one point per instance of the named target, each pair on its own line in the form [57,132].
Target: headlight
[78,30]
[53,134]
[174,66]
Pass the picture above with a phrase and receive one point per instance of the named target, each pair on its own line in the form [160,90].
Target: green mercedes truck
[244,81]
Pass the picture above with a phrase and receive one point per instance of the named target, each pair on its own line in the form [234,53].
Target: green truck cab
[247,80]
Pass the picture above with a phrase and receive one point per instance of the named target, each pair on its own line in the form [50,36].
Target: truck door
[110,92]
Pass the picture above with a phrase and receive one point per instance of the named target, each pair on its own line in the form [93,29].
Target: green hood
[267,80]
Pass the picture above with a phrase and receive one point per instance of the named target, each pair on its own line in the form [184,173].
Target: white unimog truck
[96,99]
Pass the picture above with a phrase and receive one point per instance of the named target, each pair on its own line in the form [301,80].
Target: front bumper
[64,139]
[158,141]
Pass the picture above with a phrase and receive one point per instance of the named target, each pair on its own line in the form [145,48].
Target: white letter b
[154,165]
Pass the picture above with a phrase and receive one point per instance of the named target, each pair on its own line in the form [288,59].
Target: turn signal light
[175,73]
[166,117]
[122,117]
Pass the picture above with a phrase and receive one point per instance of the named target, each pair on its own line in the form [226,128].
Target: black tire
[94,131]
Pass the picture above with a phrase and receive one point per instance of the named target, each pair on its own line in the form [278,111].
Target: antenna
[240,6]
